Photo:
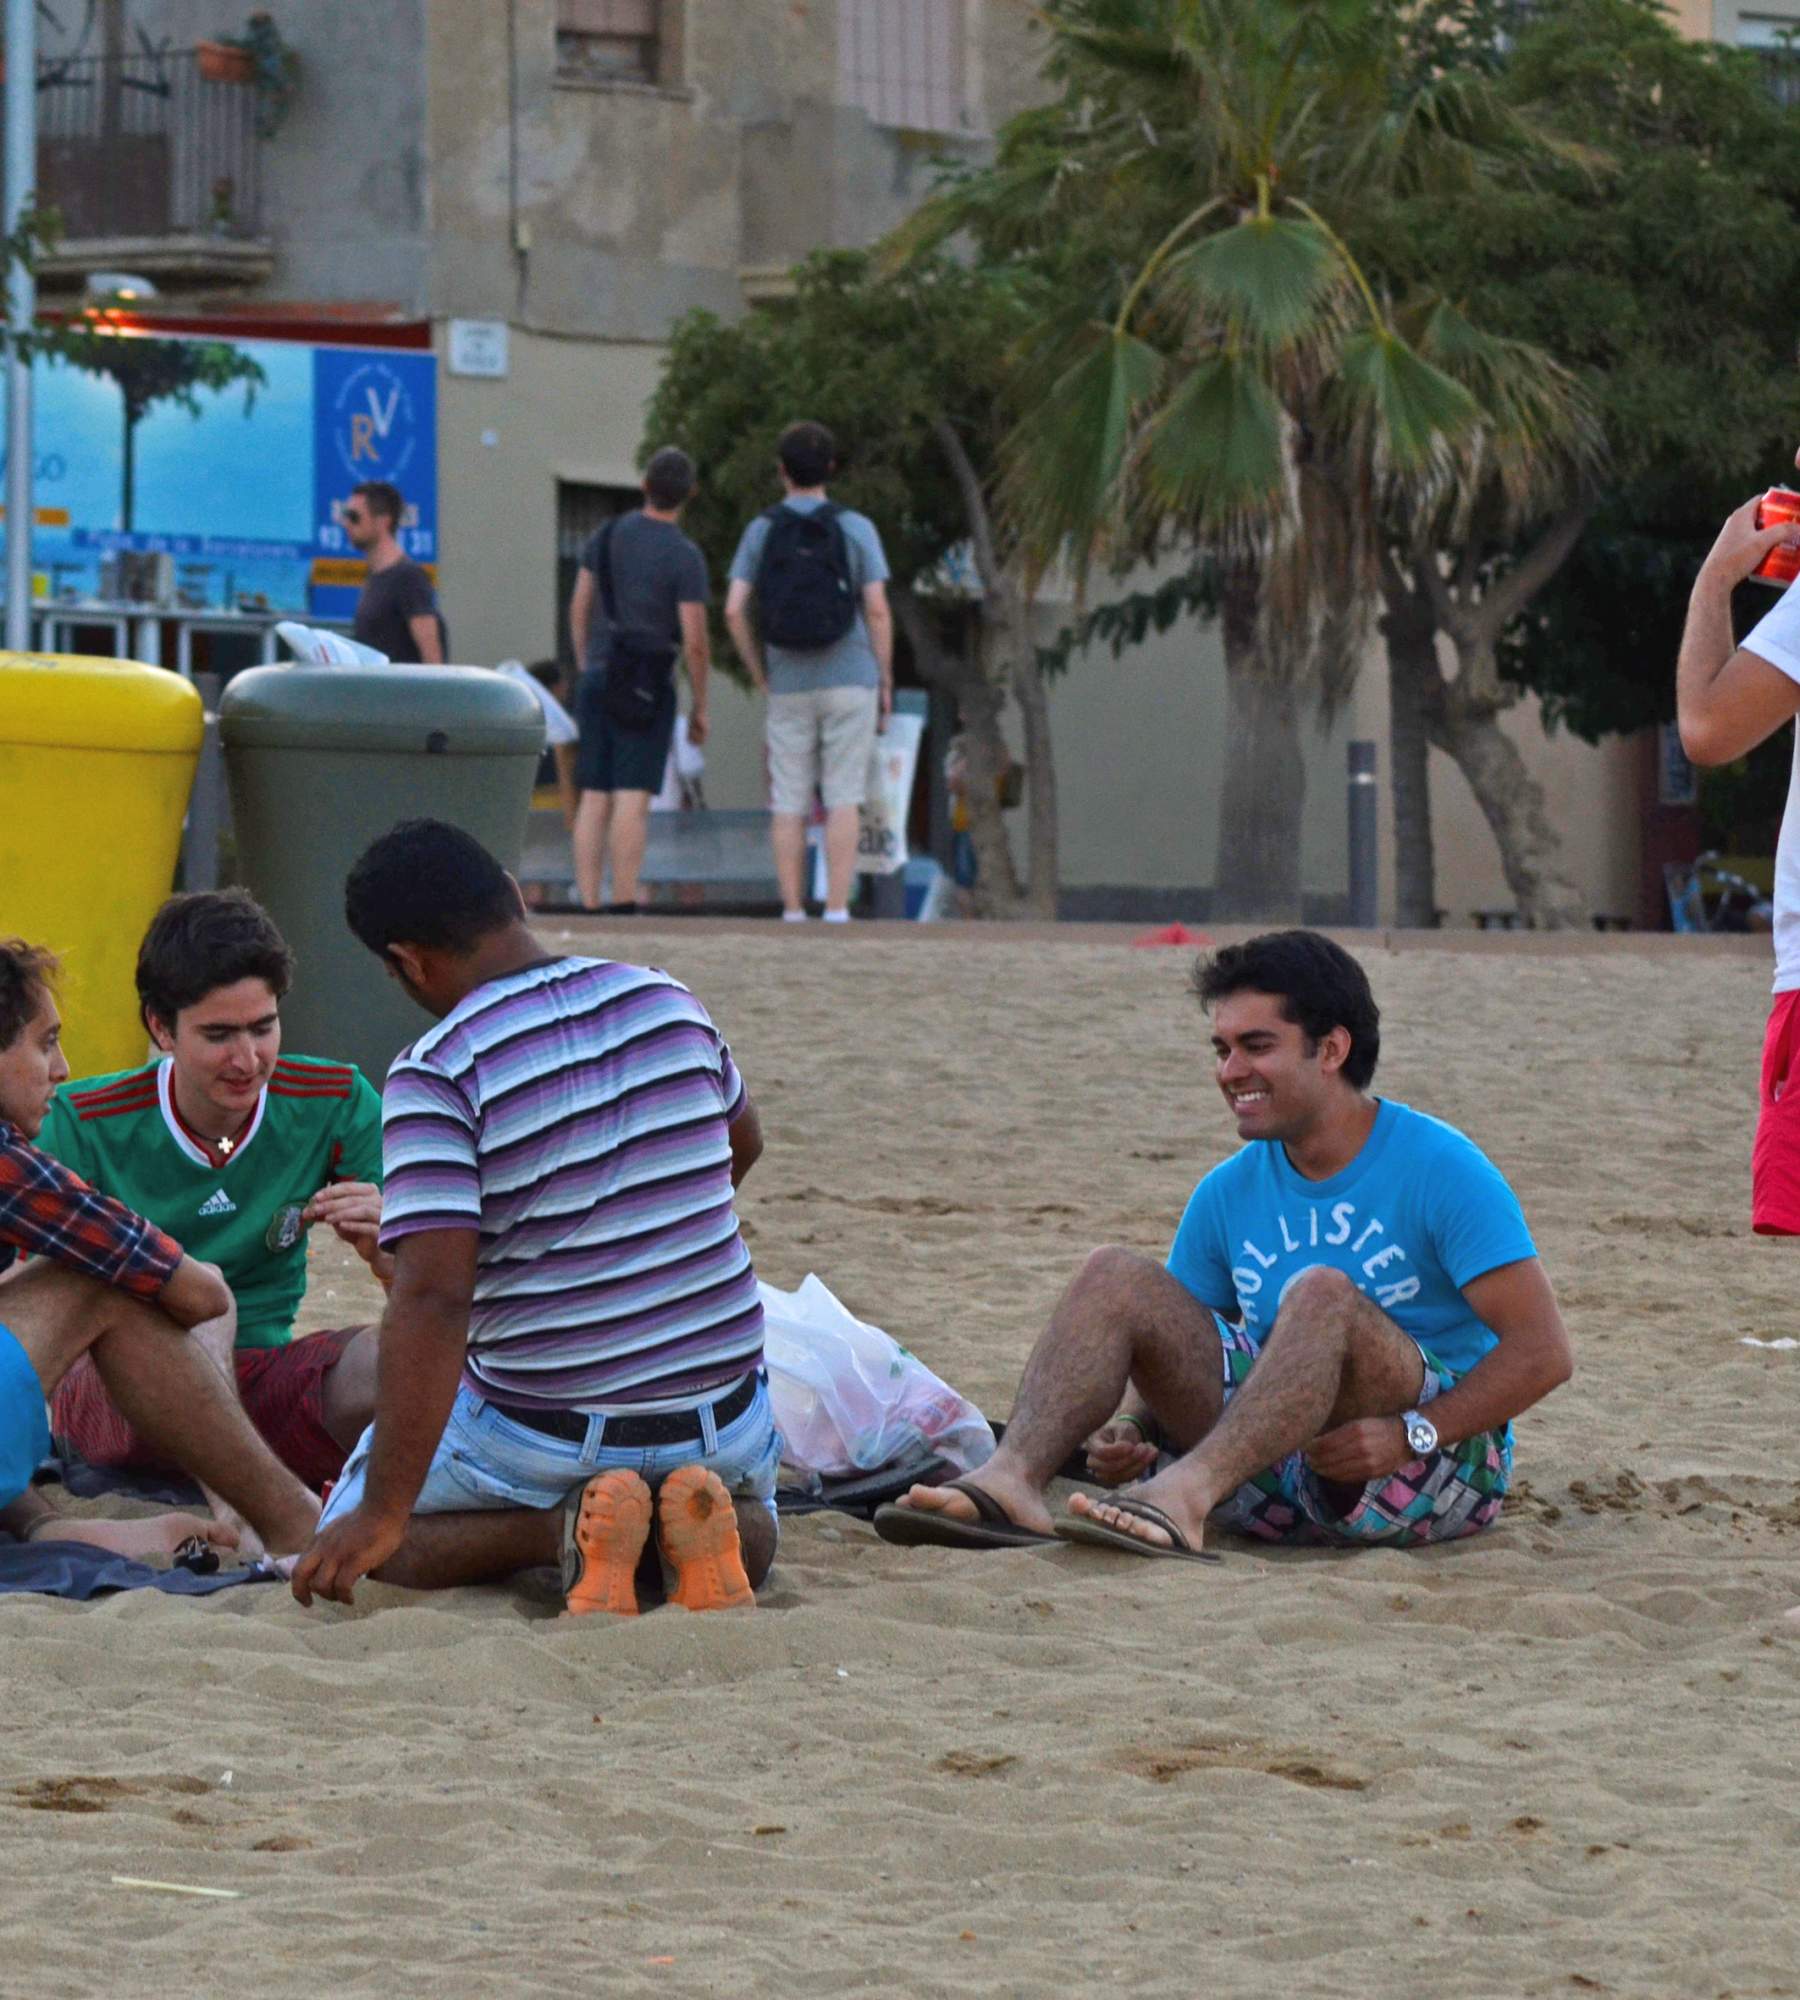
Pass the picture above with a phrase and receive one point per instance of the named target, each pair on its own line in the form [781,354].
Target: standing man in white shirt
[1728,699]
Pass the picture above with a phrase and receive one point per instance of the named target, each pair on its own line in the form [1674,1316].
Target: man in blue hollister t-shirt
[1352,1314]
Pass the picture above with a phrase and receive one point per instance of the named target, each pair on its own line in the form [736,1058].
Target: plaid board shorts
[282,1390]
[1456,1491]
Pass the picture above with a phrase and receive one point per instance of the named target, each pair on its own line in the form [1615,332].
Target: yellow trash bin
[96,761]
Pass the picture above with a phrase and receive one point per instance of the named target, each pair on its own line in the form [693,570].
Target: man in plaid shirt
[105,1282]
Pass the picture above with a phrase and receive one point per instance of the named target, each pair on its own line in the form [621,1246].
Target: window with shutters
[610,41]
[1775,39]
[904,62]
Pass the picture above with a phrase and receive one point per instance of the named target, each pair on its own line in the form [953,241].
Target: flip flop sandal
[1098,1534]
[915,1527]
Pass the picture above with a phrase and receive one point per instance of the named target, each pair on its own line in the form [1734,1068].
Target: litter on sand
[173,1888]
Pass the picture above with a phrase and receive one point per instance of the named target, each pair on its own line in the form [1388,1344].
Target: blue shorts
[487,1459]
[1457,1491]
[24,1422]
[611,759]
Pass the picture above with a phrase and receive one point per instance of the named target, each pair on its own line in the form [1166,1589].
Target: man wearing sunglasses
[398,610]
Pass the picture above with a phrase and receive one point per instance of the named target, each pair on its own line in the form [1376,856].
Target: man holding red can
[1728,698]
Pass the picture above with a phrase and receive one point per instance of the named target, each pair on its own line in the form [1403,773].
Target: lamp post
[21,308]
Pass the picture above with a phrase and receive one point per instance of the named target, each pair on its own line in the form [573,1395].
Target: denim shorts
[1456,1491]
[24,1424]
[487,1459]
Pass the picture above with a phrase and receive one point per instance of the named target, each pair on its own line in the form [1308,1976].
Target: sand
[1557,1760]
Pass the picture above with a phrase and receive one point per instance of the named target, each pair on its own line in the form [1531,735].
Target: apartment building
[453,235]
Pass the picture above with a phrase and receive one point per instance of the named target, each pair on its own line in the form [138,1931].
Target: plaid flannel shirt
[50,1212]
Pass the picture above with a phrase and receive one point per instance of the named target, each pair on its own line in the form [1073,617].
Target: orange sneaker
[697,1526]
[605,1527]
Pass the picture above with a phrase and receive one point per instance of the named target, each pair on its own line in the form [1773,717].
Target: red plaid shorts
[283,1394]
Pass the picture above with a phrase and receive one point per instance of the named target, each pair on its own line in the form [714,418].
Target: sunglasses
[354,516]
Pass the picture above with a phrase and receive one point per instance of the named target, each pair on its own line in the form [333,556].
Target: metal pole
[21,174]
[1364,889]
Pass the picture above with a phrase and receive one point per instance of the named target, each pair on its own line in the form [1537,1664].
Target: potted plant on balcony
[261,57]
[224,62]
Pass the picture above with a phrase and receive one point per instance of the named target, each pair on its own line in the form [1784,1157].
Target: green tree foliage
[1661,269]
[1227,371]
[148,371]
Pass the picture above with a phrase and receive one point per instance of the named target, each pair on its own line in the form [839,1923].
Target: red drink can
[1782,564]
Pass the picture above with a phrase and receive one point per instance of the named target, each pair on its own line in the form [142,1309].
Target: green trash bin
[319,761]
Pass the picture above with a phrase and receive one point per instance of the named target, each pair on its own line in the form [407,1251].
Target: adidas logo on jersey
[218,1203]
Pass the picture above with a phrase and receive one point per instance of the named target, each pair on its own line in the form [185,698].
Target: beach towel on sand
[74,1569]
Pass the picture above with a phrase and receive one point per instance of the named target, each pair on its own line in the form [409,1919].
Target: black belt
[653,1427]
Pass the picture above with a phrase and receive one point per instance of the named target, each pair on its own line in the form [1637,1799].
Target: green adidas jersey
[317,1122]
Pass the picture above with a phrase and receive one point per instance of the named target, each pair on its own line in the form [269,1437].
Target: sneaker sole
[699,1534]
[602,1540]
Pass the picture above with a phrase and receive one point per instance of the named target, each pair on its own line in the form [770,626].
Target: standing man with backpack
[822,650]
[639,600]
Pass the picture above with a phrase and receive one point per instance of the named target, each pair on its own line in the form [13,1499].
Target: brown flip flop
[1097,1534]
[994,1527]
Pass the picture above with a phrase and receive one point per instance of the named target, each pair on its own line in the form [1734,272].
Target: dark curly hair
[425,882]
[204,940]
[1320,987]
[27,973]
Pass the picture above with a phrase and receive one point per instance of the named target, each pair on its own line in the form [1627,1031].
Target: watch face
[1422,1437]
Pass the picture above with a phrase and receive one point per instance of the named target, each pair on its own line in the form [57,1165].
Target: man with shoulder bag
[639,601]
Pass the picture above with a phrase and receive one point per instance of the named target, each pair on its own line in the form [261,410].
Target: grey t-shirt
[655,570]
[390,600]
[851,661]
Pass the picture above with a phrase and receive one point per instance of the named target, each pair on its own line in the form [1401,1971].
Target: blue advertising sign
[374,417]
[222,491]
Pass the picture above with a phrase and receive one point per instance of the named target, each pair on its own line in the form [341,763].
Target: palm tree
[1212,175]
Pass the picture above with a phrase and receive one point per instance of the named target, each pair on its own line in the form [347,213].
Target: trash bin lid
[453,711]
[74,701]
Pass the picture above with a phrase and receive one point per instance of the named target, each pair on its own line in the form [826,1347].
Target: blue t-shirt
[851,661]
[1417,1215]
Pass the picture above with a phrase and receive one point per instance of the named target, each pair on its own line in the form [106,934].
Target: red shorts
[283,1393]
[1775,1162]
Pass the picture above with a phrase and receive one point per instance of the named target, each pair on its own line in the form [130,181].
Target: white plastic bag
[849,1398]
[881,838]
[313,646]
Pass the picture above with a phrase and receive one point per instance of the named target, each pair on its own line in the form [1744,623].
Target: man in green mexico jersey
[235,1150]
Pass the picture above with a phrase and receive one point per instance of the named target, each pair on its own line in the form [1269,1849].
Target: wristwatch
[1421,1434]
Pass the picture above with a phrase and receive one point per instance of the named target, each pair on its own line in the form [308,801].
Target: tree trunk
[1415,693]
[1257,877]
[1043,864]
[1465,713]
[997,892]
[1513,802]
[128,476]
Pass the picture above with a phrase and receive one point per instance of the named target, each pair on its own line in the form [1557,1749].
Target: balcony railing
[147,147]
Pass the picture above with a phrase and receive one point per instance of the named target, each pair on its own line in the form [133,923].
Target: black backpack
[805,598]
[639,667]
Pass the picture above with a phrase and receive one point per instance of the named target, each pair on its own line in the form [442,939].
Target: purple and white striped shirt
[575,1114]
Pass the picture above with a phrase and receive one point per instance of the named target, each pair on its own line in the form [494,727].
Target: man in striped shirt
[573,1339]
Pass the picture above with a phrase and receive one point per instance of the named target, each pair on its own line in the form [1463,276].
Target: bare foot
[1126,1521]
[147,1536]
[1020,1505]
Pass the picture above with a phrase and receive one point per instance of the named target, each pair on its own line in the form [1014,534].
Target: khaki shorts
[821,740]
